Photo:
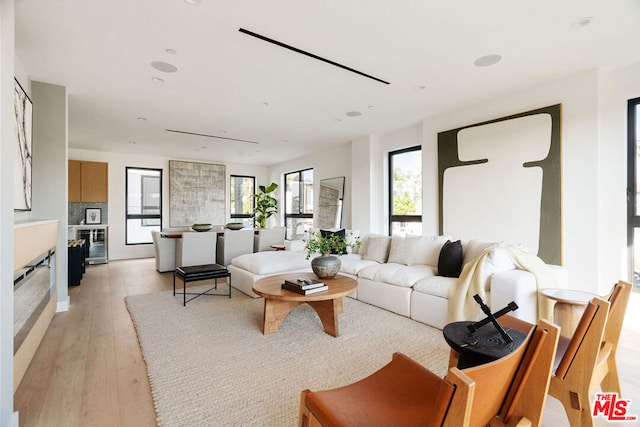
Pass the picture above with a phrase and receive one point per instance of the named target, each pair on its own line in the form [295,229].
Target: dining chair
[234,243]
[266,237]
[579,364]
[405,393]
[196,248]
[165,252]
[618,300]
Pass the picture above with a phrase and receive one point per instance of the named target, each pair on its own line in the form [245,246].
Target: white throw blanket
[472,281]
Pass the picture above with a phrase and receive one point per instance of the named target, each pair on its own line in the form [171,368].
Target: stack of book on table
[304,286]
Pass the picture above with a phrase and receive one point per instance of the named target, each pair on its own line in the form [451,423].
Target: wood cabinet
[88,181]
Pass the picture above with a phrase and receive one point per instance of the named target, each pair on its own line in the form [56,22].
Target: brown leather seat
[404,393]
[402,383]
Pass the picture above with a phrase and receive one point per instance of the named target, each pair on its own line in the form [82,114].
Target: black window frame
[299,214]
[399,218]
[253,200]
[633,217]
[141,217]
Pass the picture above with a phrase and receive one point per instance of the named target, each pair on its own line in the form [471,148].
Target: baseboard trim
[15,422]
[62,306]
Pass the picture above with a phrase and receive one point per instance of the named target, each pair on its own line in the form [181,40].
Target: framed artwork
[500,180]
[93,216]
[24,149]
[196,193]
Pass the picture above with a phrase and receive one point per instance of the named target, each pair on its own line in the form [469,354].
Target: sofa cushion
[377,248]
[474,248]
[397,274]
[402,249]
[450,260]
[436,285]
[271,262]
[353,263]
[427,250]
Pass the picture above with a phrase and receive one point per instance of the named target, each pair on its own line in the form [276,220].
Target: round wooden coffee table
[279,302]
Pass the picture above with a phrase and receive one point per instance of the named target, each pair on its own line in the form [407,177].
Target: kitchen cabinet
[88,181]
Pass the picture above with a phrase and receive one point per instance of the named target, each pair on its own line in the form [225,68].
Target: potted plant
[266,205]
[328,244]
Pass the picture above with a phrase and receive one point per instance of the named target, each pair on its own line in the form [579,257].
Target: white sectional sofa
[401,274]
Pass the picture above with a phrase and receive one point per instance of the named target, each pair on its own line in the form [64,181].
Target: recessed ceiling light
[142,119]
[264,103]
[420,87]
[487,60]
[582,22]
[132,142]
[165,67]
[371,106]
[157,79]
[354,113]
[192,1]
[171,51]
[337,120]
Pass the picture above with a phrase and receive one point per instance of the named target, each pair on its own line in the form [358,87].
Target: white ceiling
[102,50]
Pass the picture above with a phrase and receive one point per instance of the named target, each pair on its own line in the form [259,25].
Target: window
[633,181]
[298,204]
[405,191]
[241,196]
[143,204]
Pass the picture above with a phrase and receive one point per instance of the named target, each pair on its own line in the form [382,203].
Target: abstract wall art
[24,149]
[500,180]
[196,193]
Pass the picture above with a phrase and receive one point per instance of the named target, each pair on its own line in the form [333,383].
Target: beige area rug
[210,365]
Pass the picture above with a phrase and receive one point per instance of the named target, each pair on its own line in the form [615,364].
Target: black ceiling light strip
[210,136]
[303,52]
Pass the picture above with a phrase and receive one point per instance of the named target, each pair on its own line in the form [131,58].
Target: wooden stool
[195,273]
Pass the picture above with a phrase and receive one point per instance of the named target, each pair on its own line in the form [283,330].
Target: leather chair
[165,252]
[580,363]
[267,237]
[405,393]
[196,248]
[234,243]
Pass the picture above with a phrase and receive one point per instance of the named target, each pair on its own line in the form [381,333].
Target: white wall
[6,210]
[616,88]
[579,145]
[116,214]
[593,143]
[328,163]
[49,175]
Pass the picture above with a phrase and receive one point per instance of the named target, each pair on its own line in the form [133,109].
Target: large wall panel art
[501,181]
[196,193]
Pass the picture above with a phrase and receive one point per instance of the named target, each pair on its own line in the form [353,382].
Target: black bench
[196,273]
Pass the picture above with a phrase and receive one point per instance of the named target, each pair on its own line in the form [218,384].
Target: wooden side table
[568,308]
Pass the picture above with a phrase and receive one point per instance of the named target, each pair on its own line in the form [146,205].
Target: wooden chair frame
[618,300]
[507,392]
[582,366]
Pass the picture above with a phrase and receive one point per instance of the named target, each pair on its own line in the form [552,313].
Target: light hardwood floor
[89,370]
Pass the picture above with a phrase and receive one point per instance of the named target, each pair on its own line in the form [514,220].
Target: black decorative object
[512,306]
[476,345]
